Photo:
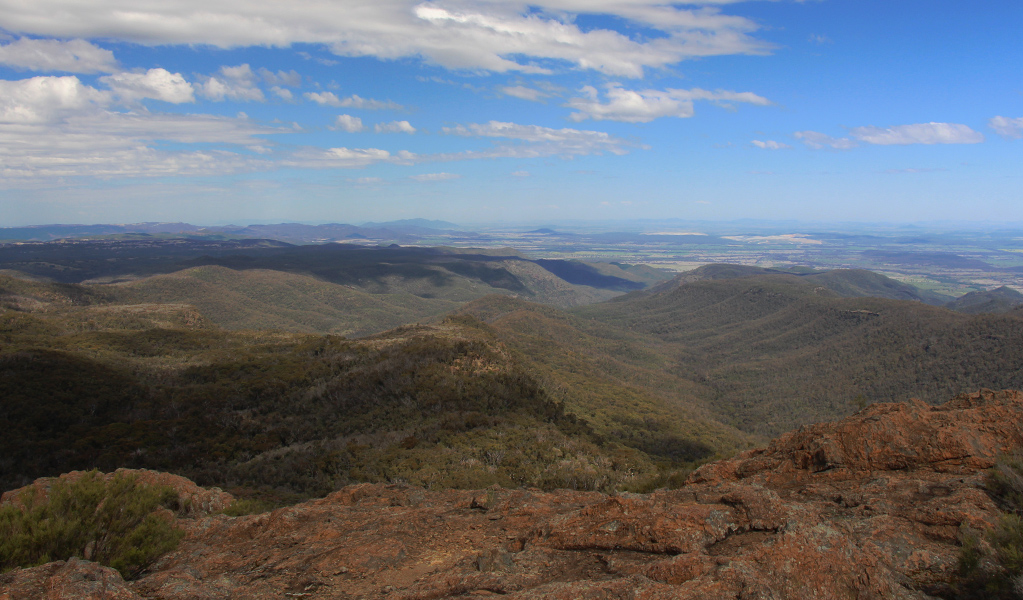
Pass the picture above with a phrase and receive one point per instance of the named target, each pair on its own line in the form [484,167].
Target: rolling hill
[179,371]
[779,350]
[999,300]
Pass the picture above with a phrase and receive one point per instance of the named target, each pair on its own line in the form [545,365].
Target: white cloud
[427,177]
[54,127]
[643,106]
[158,84]
[459,34]
[46,99]
[348,123]
[289,78]
[394,127]
[347,158]
[324,98]
[520,173]
[818,141]
[532,141]
[232,83]
[72,56]
[353,101]
[282,93]
[523,92]
[919,133]
[1006,127]
[769,145]
[900,135]
[544,141]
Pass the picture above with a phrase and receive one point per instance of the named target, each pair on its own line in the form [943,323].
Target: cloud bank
[899,135]
[457,34]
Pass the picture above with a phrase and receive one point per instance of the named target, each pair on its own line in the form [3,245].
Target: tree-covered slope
[291,415]
[779,351]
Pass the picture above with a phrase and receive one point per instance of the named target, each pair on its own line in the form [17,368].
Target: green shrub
[991,565]
[1005,483]
[248,506]
[113,522]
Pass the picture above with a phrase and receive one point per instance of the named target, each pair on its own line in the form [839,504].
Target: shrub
[248,506]
[1005,483]
[991,566]
[110,521]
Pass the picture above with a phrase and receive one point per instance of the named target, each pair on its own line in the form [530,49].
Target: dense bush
[114,522]
[991,564]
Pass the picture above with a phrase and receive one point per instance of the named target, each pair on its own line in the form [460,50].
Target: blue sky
[475,111]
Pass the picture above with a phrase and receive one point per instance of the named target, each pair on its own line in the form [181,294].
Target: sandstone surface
[867,507]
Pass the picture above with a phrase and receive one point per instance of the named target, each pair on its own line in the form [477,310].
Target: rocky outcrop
[72,580]
[868,507]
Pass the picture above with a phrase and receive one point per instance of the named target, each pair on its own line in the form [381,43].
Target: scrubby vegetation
[278,417]
[629,394]
[775,351]
[113,521]
[991,562]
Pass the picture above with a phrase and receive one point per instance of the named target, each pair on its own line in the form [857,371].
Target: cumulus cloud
[919,133]
[47,99]
[158,84]
[348,123]
[282,93]
[818,141]
[769,145]
[643,106]
[324,98]
[71,56]
[353,101]
[460,34]
[232,83]
[1006,127]
[394,127]
[427,177]
[59,127]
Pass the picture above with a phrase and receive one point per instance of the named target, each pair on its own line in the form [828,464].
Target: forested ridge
[627,394]
[289,416]
[777,351]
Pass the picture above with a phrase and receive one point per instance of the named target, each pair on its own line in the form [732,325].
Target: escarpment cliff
[867,507]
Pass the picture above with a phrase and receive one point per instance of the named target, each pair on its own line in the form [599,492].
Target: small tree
[113,522]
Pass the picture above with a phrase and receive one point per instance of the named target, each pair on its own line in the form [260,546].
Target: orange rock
[868,507]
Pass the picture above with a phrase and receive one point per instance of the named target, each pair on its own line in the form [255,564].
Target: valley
[282,372]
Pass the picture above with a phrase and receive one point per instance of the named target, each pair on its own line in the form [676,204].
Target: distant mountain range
[288,232]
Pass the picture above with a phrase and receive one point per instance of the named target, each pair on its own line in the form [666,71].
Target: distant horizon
[591,224]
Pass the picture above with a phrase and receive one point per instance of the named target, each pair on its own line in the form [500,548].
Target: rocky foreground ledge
[868,507]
